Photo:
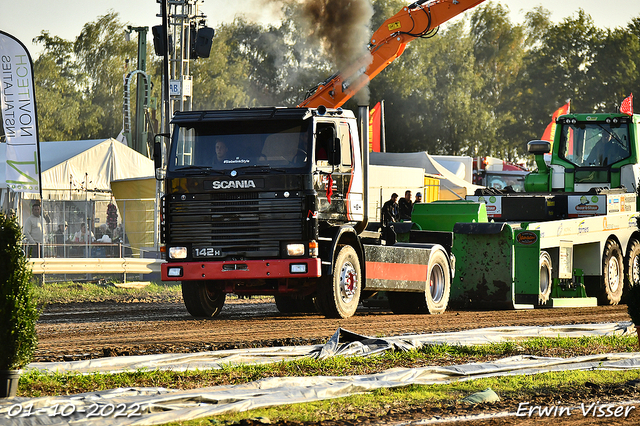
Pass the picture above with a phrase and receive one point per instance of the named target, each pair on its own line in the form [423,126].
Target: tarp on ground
[342,343]
[452,187]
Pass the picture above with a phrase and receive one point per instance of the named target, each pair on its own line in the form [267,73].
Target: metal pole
[140,138]
[383,139]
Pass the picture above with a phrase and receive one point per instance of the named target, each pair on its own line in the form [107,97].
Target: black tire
[202,298]
[546,278]
[632,265]
[292,304]
[435,298]
[339,294]
[286,304]
[612,282]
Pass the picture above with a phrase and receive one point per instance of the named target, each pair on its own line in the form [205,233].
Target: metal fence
[112,229]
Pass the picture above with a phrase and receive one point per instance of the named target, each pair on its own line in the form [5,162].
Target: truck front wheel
[612,274]
[202,299]
[339,294]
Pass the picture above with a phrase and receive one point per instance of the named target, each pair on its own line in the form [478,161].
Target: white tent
[88,165]
[451,186]
[76,180]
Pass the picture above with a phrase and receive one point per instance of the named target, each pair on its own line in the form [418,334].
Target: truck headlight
[295,249]
[177,252]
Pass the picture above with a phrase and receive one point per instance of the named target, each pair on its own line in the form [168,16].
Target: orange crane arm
[420,19]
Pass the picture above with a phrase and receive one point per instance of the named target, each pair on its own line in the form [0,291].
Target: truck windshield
[227,145]
[594,144]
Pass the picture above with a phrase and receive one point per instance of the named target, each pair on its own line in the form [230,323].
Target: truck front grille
[237,224]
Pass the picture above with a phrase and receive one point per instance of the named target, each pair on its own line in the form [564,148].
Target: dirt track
[90,330]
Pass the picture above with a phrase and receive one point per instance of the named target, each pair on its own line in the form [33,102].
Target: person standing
[418,198]
[33,230]
[390,210]
[405,205]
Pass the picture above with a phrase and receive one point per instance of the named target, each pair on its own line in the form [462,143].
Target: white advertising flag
[19,118]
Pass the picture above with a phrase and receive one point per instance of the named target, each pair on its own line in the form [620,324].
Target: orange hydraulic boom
[420,19]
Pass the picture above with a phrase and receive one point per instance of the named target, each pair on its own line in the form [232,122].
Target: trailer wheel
[546,278]
[436,294]
[339,294]
[439,283]
[202,299]
[632,264]
[612,274]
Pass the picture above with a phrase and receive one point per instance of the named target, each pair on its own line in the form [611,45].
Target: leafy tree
[101,51]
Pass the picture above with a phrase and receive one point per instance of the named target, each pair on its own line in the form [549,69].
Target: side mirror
[539,147]
[157,153]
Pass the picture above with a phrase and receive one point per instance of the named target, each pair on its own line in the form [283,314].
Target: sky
[65,18]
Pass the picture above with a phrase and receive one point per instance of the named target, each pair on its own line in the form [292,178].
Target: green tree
[101,52]
[59,99]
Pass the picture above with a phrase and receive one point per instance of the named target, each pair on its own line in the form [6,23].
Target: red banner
[550,131]
[375,119]
[627,105]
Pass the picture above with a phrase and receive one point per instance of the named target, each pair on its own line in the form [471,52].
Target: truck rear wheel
[339,294]
[546,278]
[612,274]
[202,299]
[632,264]
[436,294]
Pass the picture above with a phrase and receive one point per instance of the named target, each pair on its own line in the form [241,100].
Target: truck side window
[323,143]
[345,144]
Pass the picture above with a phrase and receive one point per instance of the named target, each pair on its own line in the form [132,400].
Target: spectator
[418,198]
[405,205]
[33,230]
[60,236]
[84,236]
[390,210]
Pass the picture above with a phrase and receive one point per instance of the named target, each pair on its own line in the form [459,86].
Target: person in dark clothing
[405,205]
[390,210]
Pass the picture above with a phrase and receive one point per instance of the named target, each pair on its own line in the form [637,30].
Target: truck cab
[252,195]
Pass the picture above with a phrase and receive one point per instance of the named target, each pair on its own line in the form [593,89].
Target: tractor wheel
[202,298]
[435,298]
[612,282]
[339,293]
[546,278]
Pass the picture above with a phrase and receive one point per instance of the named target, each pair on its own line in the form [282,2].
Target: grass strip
[75,292]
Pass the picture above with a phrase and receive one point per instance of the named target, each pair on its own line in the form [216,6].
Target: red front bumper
[239,270]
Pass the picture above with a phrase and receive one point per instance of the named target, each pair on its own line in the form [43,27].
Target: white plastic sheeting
[148,406]
[343,342]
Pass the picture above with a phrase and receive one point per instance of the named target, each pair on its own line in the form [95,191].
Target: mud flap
[493,266]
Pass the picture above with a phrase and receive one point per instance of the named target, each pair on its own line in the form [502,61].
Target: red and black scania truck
[285,214]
